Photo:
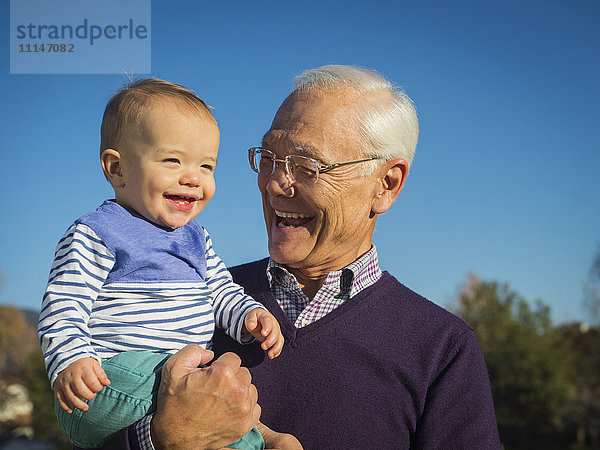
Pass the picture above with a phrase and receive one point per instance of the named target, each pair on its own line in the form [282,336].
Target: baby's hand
[261,324]
[80,380]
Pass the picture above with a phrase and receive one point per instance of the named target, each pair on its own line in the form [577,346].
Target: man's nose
[281,182]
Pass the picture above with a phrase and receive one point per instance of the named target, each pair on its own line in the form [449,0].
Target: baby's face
[168,165]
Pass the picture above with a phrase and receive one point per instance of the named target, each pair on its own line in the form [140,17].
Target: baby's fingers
[251,321]
[270,340]
[88,385]
[102,378]
[79,390]
[266,324]
[275,350]
[67,398]
[274,342]
[78,403]
[62,403]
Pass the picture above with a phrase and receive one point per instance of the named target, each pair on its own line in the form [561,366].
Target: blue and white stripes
[82,316]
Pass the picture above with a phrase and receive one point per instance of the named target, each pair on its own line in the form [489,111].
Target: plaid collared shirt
[142,429]
[337,288]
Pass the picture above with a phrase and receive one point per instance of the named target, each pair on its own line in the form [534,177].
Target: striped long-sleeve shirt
[120,283]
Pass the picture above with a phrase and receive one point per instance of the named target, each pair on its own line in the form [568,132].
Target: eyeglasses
[298,168]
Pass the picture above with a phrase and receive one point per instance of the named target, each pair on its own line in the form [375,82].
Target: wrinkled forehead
[318,126]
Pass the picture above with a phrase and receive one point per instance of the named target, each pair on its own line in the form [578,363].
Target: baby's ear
[111,165]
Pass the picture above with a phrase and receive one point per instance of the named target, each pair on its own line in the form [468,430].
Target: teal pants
[134,380]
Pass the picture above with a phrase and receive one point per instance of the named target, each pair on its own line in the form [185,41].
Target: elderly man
[367,363]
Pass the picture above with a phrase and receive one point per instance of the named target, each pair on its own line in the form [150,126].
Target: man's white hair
[386,115]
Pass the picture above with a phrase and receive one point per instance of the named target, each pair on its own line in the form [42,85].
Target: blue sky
[504,184]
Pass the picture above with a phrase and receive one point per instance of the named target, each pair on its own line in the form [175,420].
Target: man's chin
[287,255]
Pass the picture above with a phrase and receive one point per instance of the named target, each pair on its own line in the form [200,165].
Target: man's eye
[310,171]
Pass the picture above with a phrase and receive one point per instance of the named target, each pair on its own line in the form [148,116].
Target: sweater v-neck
[262,293]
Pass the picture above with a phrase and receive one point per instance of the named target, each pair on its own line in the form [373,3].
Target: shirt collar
[353,278]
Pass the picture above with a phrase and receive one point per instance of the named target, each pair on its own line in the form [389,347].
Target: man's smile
[292,219]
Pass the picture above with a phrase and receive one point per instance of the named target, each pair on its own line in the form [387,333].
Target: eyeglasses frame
[320,168]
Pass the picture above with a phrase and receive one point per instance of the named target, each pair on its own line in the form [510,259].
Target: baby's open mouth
[292,219]
[181,199]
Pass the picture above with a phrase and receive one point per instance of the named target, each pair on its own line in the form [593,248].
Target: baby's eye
[171,160]
[208,167]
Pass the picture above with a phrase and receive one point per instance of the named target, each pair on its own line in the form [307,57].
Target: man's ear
[392,177]
[111,165]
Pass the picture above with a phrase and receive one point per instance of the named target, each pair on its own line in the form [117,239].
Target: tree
[591,300]
[21,360]
[17,340]
[582,412]
[528,366]
[44,423]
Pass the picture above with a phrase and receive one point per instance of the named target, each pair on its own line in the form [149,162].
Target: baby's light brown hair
[125,109]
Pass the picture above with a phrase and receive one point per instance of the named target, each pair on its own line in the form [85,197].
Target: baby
[137,279]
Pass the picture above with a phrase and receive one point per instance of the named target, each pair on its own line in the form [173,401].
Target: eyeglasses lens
[300,168]
[303,169]
[264,162]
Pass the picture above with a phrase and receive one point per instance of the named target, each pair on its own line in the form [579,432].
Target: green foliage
[582,411]
[591,300]
[527,364]
[21,361]
[44,423]
[17,340]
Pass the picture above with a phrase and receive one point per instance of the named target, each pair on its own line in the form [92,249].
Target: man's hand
[82,379]
[278,441]
[263,326]
[207,407]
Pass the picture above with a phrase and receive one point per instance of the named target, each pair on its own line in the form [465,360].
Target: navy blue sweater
[388,369]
